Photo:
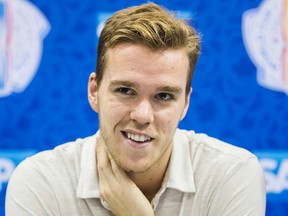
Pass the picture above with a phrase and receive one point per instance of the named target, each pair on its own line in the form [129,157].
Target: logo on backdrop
[275,166]
[22,29]
[265,35]
[100,21]
[8,161]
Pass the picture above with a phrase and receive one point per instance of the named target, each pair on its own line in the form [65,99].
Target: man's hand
[117,189]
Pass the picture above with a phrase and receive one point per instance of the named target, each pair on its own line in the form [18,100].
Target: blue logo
[275,165]
[22,29]
[265,35]
[8,162]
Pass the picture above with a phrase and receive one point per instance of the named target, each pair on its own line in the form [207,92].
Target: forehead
[140,61]
[137,51]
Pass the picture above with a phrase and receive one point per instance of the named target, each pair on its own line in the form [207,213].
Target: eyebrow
[126,83]
[171,89]
[122,82]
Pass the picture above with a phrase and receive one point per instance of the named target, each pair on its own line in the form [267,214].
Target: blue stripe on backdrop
[275,165]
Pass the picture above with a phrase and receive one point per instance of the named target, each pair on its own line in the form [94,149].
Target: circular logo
[265,34]
[22,30]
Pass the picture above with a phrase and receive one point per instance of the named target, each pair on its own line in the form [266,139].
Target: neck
[150,181]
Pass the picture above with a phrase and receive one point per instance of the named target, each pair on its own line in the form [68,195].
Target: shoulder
[200,143]
[220,168]
[48,175]
[52,163]
[211,157]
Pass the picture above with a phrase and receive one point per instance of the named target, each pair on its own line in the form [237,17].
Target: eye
[125,91]
[164,96]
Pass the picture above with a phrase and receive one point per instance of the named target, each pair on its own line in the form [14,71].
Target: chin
[139,168]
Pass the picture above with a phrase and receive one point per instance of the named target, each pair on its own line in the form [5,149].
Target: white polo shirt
[205,177]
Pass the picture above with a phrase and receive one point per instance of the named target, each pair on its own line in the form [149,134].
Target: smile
[137,137]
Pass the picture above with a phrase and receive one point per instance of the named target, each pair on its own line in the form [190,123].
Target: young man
[139,163]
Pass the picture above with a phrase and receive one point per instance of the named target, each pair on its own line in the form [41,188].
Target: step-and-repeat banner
[240,89]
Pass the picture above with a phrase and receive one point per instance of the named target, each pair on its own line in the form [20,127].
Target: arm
[28,193]
[242,193]
[117,189]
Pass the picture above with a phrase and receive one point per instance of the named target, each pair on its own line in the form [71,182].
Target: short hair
[152,26]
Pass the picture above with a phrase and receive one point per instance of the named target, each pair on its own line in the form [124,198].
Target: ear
[93,92]
[186,106]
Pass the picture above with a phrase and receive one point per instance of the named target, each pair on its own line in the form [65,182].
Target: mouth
[138,138]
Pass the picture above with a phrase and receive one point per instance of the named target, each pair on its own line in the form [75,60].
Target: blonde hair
[152,26]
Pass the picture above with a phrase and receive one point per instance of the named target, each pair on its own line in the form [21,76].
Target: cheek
[172,115]
[167,121]
[111,111]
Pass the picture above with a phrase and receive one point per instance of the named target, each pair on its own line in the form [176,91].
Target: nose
[142,112]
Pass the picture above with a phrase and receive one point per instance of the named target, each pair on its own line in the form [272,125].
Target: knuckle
[103,193]
[102,166]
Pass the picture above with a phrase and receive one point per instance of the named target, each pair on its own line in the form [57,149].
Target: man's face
[140,101]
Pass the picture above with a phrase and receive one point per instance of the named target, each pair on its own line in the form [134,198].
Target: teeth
[138,138]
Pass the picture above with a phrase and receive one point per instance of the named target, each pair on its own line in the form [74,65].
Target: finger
[118,171]
[106,157]
[102,158]
[104,164]
[113,163]
[104,170]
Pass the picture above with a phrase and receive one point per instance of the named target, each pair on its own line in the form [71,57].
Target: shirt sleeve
[242,193]
[28,192]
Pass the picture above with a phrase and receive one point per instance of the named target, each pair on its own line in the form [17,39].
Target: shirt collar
[88,179]
[179,174]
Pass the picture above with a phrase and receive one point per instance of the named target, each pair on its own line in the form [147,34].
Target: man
[139,163]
